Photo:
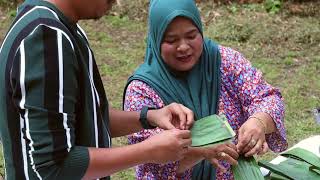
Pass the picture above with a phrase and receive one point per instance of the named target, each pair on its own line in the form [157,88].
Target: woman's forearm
[266,121]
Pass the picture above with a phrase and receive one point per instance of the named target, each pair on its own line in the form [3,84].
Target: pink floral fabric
[243,92]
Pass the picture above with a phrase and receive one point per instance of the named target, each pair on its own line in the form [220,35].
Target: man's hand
[171,116]
[170,145]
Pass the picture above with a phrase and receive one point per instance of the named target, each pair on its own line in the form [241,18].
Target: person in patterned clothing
[55,121]
[183,66]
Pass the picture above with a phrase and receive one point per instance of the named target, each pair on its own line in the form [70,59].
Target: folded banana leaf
[215,129]
[246,169]
[211,130]
[300,164]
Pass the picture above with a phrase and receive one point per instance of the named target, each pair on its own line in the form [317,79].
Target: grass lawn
[284,46]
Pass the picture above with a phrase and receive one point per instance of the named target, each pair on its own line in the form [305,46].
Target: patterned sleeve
[255,94]
[139,94]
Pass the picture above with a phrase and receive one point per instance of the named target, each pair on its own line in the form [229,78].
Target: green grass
[284,46]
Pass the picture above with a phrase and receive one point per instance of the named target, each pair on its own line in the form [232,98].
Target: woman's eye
[170,41]
[192,36]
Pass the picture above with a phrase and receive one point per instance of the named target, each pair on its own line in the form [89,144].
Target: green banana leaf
[208,131]
[291,169]
[211,130]
[300,164]
[215,129]
[246,169]
[303,155]
[315,169]
[274,176]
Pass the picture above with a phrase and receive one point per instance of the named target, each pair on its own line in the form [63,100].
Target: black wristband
[143,118]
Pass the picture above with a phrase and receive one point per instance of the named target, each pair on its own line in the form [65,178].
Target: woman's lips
[184,58]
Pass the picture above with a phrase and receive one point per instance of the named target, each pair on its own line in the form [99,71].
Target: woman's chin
[184,67]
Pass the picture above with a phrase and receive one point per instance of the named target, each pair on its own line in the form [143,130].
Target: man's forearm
[123,123]
[106,161]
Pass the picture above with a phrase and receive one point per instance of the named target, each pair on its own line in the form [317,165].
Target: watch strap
[143,118]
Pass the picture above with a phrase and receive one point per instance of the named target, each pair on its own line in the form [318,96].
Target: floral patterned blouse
[243,92]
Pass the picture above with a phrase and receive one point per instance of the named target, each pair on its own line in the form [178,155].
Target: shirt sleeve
[45,85]
[139,94]
[256,95]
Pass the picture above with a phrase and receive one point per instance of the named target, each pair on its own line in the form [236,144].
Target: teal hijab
[199,88]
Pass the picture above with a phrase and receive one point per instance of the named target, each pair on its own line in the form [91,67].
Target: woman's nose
[183,46]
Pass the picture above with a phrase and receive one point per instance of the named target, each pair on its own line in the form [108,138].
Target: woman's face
[182,44]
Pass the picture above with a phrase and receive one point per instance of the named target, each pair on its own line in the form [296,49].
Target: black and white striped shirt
[52,101]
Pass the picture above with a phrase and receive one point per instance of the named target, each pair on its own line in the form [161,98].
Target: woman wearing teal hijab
[184,67]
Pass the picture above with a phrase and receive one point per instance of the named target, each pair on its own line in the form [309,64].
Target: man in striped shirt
[55,121]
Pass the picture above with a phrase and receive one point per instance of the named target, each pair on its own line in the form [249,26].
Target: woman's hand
[171,116]
[251,138]
[226,151]
[170,145]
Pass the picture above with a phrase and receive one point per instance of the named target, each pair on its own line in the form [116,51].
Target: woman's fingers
[245,143]
[183,115]
[184,134]
[231,151]
[231,145]
[177,112]
[190,118]
[249,135]
[216,164]
[243,140]
[255,149]
[225,152]
[186,142]
[227,157]
[264,148]
[253,142]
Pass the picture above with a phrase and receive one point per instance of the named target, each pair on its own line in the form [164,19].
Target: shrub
[273,6]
